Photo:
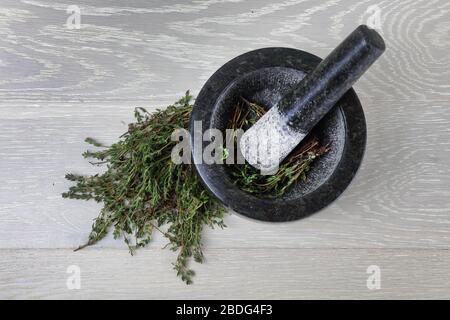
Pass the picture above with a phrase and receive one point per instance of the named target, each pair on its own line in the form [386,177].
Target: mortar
[265,76]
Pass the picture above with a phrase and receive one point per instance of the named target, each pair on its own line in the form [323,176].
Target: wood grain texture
[280,274]
[154,50]
[59,85]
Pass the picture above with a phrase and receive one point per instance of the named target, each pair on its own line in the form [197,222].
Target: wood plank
[126,51]
[398,199]
[228,274]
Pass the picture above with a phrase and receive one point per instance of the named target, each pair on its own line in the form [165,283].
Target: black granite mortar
[264,76]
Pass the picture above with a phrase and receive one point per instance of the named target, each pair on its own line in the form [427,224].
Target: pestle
[282,128]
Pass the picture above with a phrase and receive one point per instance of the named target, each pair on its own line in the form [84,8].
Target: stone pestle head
[282,128]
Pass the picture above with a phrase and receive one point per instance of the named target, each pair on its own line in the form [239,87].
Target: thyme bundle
[142,190]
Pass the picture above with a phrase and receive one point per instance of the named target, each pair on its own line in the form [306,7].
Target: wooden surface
[59,85]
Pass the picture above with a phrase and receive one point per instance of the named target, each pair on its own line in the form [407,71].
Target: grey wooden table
[388,236]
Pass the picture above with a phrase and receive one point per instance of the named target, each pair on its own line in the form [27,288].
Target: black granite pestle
[284,126]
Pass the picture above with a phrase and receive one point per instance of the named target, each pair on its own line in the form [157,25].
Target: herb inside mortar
[142,190]
[291,170]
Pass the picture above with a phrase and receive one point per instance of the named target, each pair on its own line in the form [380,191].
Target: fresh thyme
[291,170]
[142,190]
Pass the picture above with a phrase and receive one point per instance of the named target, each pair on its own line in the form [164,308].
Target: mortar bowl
[263,76]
